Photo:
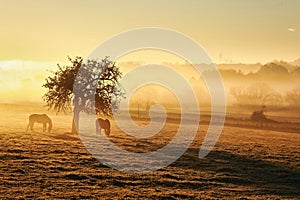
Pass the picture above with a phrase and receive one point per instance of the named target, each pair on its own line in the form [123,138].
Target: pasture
[246,163]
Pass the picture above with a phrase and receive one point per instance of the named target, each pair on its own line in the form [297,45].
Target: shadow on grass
[268,177]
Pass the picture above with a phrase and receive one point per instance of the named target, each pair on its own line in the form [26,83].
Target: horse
[42,119]
[259,117]
[102,124]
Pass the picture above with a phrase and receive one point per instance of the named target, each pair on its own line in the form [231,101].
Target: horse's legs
[107,131]
[44,127]
[27,127]
[97,127]
[49,128]
[261,124]
[30,124]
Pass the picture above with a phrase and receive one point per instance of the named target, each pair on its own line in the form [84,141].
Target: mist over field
[248,87]
[245,84]
[21,81]
[150,100]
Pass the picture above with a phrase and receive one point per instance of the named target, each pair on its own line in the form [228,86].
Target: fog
[275,84]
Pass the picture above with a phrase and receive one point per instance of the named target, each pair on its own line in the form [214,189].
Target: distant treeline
[275,84]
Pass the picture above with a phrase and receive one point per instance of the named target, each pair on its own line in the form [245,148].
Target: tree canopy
[97,87]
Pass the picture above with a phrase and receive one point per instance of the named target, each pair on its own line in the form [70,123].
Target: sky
[243,31]
[42,33]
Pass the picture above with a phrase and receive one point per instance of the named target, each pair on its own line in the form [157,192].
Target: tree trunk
[75,123]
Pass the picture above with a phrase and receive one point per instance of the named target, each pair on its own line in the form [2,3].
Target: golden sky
[242,31]
[37,34]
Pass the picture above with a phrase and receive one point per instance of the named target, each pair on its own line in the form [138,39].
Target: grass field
[246,163]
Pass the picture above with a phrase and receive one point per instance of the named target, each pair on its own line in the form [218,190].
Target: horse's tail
[108,129]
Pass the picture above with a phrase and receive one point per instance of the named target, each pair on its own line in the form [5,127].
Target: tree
[97,82]
[293,97]
[258,94]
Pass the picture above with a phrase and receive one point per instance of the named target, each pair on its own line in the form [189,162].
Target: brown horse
[102,124]
[42,119]
[258,117]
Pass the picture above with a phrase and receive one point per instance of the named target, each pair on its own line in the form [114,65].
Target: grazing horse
[42,119]
[259,117]
[102,124]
